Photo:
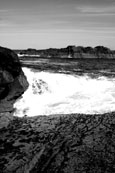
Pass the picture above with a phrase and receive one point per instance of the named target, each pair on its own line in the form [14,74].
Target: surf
[57,93]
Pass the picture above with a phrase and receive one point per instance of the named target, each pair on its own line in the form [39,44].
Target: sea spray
[56,93]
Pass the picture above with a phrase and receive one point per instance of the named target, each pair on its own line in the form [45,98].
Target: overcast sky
[57,23]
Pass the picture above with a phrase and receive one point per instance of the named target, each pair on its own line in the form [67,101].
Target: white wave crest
[54,93]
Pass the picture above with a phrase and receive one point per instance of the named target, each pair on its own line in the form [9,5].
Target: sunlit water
[55,93]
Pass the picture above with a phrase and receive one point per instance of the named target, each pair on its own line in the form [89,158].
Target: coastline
[59,143]
[53,143]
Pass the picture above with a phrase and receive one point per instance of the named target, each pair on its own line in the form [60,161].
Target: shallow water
[57,93]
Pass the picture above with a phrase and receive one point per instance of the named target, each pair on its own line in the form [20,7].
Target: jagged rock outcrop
[13,82]
[59,144]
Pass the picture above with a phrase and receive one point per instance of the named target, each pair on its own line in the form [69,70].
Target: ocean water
[60,93]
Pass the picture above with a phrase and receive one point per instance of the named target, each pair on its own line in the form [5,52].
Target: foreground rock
[13,83]
[59,144]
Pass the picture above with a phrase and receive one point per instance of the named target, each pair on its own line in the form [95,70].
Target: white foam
[54,93]
[21,55]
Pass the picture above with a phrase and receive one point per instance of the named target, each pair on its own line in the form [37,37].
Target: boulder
[13,82]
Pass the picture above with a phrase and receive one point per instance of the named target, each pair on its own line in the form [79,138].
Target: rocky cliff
[79,52]
[13,82]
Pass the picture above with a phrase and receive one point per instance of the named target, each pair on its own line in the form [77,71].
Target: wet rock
[39,86]
[13,82]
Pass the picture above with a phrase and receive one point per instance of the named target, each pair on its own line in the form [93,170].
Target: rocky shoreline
[70,52]
[66,143]
[74,143]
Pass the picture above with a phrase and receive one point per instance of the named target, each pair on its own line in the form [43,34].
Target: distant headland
[69,52]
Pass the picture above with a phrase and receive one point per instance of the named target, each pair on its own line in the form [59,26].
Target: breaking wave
[55,93]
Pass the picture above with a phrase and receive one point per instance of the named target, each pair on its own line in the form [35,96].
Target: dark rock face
[9,62]
[58,144]
[12,80]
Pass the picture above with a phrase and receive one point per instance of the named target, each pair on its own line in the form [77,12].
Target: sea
[67,86]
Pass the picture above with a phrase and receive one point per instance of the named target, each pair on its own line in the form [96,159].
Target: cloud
[3,10]
[101,10]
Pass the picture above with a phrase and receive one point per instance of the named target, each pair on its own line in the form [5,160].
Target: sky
[57,23]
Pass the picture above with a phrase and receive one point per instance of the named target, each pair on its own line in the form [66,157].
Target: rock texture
[58,144]
[12,80]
